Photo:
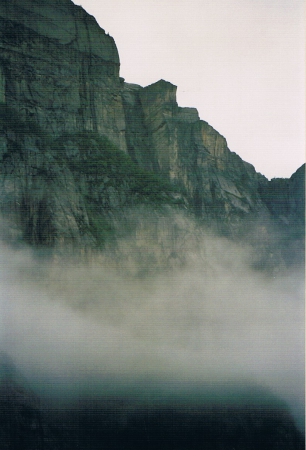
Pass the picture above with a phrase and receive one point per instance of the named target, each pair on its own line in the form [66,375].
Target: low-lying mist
[72,327]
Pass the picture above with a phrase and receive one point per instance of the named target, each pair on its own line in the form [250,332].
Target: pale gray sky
[239,62]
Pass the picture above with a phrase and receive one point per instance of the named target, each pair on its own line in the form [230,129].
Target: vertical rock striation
[60,68]
[188,151]
[59,82]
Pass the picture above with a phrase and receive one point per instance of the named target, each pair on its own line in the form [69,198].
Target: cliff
[79,147]
[119,174]
[189,152]
[59,68]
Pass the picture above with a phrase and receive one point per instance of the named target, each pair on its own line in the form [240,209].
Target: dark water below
[145,414]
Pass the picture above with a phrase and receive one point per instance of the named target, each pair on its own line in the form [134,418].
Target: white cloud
[214,319]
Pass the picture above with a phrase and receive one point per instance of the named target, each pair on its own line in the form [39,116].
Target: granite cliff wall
[189,152]
[59,68]
[60,94]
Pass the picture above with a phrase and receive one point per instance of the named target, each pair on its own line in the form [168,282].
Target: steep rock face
[285,199]
[38,196]
[188,151]
[59,68]
[70,192]
[59,82]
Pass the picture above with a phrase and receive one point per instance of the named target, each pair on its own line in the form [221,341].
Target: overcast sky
[239,62]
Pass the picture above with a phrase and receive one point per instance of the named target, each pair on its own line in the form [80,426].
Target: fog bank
[215,320]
